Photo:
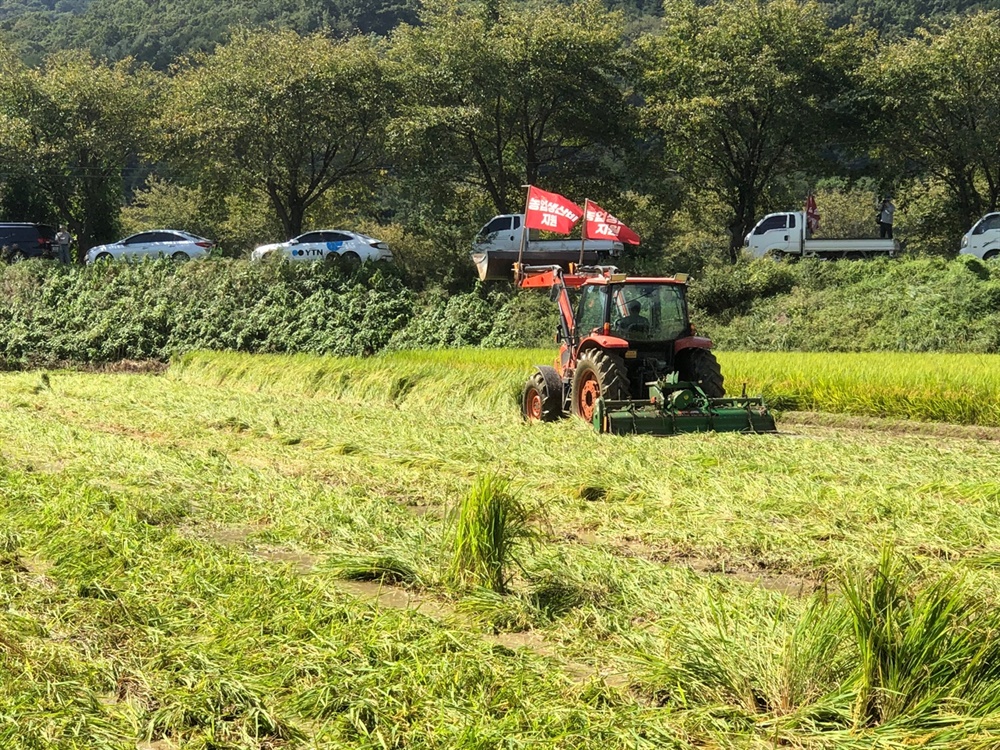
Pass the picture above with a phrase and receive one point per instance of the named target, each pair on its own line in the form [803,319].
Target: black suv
[20,240]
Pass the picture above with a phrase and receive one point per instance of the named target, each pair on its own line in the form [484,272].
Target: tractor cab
[643,311]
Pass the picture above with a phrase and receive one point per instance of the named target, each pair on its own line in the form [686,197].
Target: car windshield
[648,312]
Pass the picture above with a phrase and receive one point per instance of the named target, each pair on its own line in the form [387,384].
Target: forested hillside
[418,122]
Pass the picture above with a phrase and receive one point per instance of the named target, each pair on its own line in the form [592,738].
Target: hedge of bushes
[151,310]
[55,314]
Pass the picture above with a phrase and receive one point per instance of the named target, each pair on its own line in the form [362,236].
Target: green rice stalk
[491,523]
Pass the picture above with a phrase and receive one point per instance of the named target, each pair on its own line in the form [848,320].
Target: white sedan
[158,243]
[333,246]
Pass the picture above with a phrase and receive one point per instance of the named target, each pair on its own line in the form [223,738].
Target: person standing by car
[62,241]
[886,210]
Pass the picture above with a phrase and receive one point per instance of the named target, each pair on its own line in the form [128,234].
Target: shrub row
[920,304]
[153,310]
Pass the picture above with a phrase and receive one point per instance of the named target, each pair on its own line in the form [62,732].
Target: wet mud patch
[750,571]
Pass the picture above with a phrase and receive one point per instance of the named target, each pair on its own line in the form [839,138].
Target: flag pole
[583,229]
[524,236]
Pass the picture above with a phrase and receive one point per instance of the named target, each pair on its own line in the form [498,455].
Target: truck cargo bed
[498,265]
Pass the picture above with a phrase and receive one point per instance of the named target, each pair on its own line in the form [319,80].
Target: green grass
[174,549]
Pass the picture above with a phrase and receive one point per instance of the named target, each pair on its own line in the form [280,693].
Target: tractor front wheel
[597,374]
[540,402]
[699,366]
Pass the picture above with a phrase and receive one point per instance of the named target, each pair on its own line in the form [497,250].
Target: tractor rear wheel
[598,374]
[539,401]
[700,367]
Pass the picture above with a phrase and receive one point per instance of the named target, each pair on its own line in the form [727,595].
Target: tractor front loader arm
[552,278]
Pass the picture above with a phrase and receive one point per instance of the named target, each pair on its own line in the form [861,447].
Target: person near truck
[62,241]
[886,210]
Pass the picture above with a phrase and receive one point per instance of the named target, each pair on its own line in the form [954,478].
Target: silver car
[331,245]
[157,243]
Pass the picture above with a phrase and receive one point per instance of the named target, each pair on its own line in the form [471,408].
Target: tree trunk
[743,220]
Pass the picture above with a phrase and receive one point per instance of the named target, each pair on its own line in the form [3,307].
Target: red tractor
[629,359]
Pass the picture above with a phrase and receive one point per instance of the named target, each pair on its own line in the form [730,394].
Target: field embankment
[901,304]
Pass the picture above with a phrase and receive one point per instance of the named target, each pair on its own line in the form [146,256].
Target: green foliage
[922,304]
[736,109]
[940,99]
[154,309]
[74,126]
[726,291]
[521,93]
[490,319]
[849,210]
[292,116]
[161,34]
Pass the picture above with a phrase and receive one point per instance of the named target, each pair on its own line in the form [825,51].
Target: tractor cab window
[593,301]
[648,312]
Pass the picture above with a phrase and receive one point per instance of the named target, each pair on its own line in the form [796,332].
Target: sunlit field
[938,387]
[289,552]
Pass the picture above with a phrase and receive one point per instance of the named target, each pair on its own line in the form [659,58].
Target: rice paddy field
[303,552]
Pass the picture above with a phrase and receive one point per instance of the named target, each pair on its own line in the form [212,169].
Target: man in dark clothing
[886,210]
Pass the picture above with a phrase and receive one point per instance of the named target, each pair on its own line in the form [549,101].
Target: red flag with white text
[600,225]
[812,213]
[550,211]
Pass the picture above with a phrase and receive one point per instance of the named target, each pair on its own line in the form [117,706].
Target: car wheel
[180,257]
[103,257]
[992,255]
[16,256]
[350,261]
[331,259]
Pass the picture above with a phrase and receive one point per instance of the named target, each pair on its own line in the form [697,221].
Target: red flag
[812,213]
[601,225]
[550,211]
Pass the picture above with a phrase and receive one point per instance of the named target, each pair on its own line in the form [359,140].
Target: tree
[502,94]
[940,97]
[73,127]
[294,116]
[742,93]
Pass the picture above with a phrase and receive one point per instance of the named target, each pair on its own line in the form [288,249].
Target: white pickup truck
[784,234]
[983,240]
[496,247]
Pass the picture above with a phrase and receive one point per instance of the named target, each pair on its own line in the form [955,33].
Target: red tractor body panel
[692,342]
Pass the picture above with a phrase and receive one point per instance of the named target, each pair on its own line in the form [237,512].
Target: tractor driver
[634,321]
